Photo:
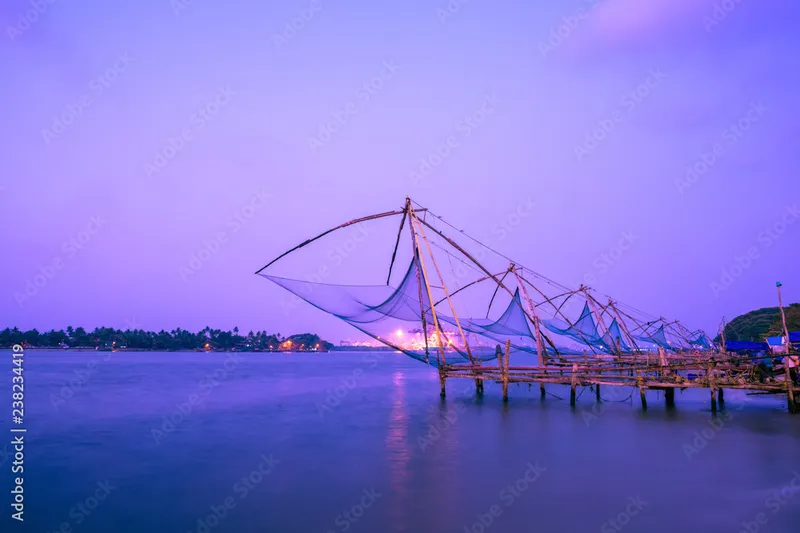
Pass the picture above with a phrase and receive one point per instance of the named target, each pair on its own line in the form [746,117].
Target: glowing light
[399,333]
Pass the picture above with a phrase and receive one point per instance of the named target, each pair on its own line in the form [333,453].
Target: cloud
[632,24]
[632,20]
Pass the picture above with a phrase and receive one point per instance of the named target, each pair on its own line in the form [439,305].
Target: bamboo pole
[414,218]
[573,384]
[540,347]
[640,383]
[346,224]
[397,242]
[669,396]
[712,386]
[505,371]
[419,284]
[789,384]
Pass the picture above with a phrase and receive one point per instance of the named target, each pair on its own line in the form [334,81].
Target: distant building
[777,344]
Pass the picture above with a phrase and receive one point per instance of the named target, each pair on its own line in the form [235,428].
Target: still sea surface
[362,442]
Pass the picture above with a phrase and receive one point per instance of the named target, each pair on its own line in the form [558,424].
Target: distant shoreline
[92,349]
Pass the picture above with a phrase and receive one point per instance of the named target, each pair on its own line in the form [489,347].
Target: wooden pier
[715,372]
[628,348]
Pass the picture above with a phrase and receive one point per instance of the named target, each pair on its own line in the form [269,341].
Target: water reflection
[399,454]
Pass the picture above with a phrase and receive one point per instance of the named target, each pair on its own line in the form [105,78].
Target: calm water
[363,443]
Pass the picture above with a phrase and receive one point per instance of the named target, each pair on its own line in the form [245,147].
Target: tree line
[176,339]
[757,325]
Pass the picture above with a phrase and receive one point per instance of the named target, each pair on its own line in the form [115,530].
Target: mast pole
[419,281]
[540,347]
[340,226]
[537,319]
[437,329]
[444,287]
[397,243]
[789,384]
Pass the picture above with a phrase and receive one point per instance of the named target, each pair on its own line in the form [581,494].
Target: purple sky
[232,108]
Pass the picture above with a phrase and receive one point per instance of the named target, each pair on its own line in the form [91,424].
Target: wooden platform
[714,371]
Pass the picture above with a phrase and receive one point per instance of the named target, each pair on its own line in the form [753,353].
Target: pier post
[503,374]
[478,381]
[505,371]
[789,384]
[640,383]
[721,397]
[597,388]
[574,384]
[711,386]
[541,390]
[442,381]
[669,396]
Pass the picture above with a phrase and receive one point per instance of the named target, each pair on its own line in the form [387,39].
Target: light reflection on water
[373,439]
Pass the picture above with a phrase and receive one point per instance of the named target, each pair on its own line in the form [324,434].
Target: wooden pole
[505,371]
[789,384]
[669,396]
[640,383]
[419,282]
[438,330]
[346,224]
[540,346]
[573,384]
[397,242]
[503,374]
[712,386]
[444,287]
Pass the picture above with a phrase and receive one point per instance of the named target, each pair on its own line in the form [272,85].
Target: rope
[531,271]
